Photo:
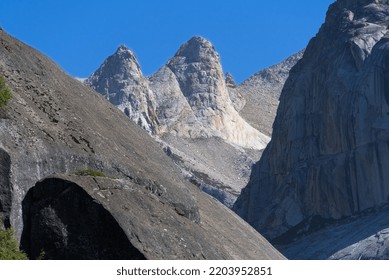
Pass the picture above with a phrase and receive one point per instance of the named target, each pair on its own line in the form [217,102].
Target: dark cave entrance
[63,221]
[5,188]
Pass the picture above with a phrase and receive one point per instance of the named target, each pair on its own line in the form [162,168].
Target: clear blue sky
[78,34]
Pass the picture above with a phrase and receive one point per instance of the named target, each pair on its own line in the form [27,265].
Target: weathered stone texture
[329,149]
[120,80]
[262,92]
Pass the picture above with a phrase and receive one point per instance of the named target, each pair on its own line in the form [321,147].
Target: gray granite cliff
[328,155]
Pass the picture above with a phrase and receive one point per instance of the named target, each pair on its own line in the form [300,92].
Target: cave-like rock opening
[62,220]
[5,188]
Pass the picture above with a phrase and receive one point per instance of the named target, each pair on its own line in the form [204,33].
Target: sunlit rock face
[199,102]
[120,80]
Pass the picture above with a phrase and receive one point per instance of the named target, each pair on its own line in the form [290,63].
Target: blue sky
[249,34]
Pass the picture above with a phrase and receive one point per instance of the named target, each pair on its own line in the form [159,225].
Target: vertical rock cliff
[329,151]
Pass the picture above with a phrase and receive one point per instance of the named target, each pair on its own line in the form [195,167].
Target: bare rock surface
[262,91]
[197,69]
[120,80]
[212,164]
[375,247]
[237,99]
[55,124]
[328,155]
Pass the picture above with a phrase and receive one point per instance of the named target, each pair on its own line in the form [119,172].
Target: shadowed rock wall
[5,188]
[329,153]
[63,221]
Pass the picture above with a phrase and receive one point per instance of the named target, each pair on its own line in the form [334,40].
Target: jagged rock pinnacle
[230,81]
[197,49]
[121,81]
[198,77]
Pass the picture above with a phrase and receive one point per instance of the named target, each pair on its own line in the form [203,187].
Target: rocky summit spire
[197,49]
[328,155]
[230,81]
[196,75]
[121,81]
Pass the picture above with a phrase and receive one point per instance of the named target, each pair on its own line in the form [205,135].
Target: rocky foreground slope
[328,155]
[188,104]
[54,127]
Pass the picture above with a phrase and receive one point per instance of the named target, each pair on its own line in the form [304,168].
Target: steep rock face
[174,112]
[328,154]
[197,72]
[120,80]
[262,92]
[55,124]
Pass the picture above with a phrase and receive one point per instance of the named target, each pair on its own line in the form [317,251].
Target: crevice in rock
[64,222]
[386,80]
[5,188]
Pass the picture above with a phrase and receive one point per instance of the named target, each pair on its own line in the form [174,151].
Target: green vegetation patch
[9,248]
[5,93]
[90,172]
